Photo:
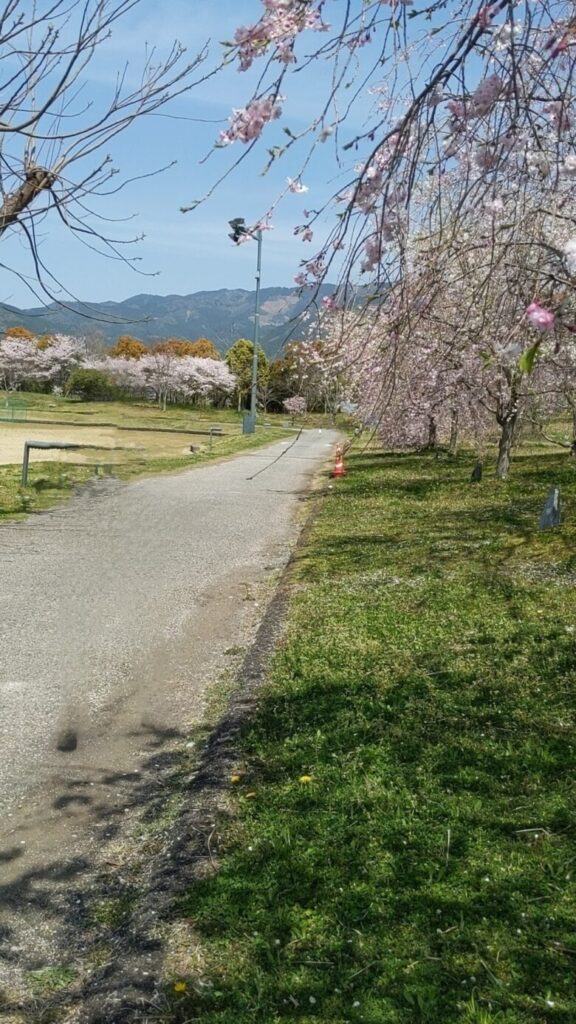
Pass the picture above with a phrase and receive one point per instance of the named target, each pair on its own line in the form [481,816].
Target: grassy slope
[426,687]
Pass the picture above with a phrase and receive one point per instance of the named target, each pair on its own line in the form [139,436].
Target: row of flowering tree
[174,370]
[168,378]
[54,363]
[440,379]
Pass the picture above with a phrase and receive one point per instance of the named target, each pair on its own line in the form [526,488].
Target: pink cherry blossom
[540,317]
[296,406]
[278,28]
[247,124]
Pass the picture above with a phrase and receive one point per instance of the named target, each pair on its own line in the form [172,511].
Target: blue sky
[188,252]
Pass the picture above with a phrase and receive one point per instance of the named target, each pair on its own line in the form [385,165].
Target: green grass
[426,687]
[128,413]
[112,912]
[50,483]
[51,979]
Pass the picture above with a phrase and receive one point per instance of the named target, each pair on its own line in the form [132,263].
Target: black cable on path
[297,438]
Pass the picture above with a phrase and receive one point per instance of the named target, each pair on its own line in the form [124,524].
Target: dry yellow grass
[114,445]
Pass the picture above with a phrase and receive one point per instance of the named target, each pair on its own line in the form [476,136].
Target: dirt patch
[115,446]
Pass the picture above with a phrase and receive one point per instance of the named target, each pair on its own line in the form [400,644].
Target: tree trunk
[37,180]
[453,431]
[239,401]
[505,446]
[432,432]
[573,445]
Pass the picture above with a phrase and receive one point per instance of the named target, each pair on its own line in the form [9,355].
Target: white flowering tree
[169,378]
[38,361]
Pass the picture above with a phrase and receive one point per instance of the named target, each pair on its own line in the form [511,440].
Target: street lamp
[240,231]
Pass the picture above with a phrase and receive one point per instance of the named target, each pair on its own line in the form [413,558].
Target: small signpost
[551,512]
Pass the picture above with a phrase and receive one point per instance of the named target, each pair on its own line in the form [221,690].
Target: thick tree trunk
[453,431]
[505,446]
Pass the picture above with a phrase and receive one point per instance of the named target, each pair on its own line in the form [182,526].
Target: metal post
[25,464]
[256,336]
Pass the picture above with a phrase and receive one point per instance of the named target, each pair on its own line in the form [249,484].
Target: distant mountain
[223,316]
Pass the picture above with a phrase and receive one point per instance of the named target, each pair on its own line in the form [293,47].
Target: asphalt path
[116,609]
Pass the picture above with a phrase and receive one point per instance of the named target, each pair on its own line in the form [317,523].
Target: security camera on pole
[238,233]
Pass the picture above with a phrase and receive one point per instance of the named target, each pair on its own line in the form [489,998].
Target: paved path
[116,611]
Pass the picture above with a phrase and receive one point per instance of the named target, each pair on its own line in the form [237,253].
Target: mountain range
[222,316]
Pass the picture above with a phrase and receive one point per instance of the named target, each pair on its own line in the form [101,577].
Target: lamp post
[239,231]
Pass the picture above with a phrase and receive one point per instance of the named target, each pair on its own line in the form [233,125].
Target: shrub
[91,386]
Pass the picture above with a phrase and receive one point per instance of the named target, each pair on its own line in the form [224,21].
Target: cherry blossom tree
[456,194]
[26,361]
[169,378]
[295,406]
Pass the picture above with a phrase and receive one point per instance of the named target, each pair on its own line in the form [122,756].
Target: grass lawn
[132,414]
[404,845]
[50,408]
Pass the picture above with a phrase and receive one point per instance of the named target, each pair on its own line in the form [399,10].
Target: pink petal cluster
[313,270]
[279,26]
[540,317]
[247,124]
[485,95]
[480,102]
[296,406]
[373,250]
[369,190]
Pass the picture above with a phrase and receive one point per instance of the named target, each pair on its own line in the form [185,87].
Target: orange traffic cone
[339,464]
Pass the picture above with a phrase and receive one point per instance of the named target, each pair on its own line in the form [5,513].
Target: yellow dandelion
[235,779]
[253,793]
[180,986]
[305,780]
